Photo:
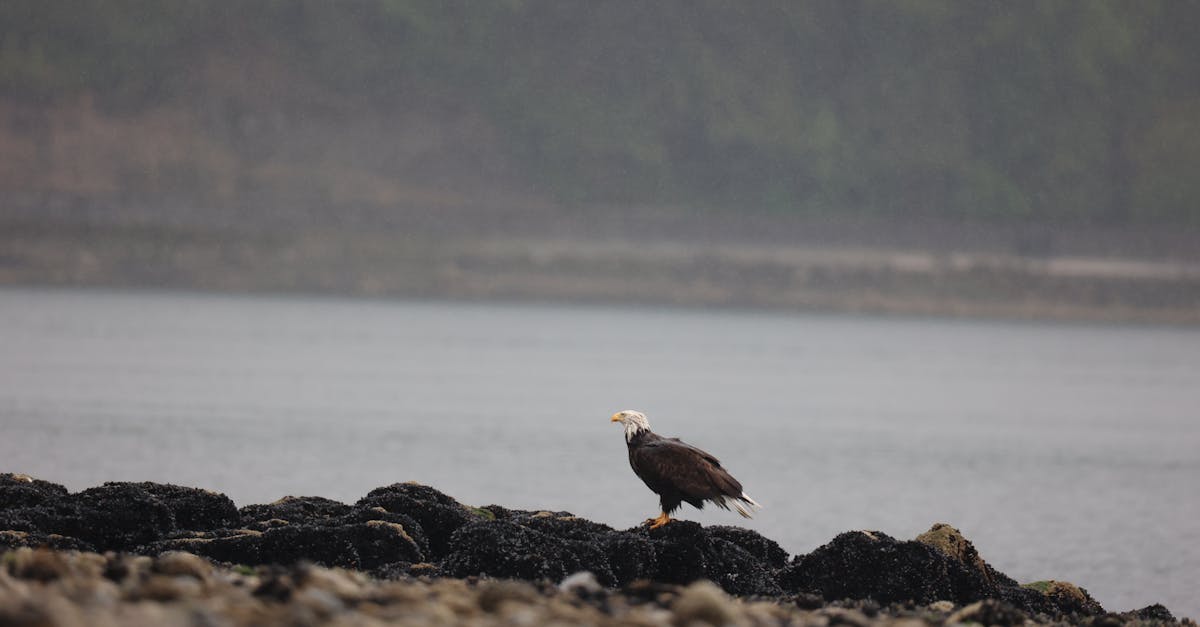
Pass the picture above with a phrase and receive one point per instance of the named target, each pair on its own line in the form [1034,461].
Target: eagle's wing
[685,468]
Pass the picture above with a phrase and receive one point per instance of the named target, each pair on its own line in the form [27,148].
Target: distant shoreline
[814,278]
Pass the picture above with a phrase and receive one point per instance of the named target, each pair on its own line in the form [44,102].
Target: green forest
[1065,112]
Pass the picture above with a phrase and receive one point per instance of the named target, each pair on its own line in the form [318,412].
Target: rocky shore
[156,554]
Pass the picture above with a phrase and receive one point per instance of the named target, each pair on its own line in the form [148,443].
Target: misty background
[1023,159]
[312,248]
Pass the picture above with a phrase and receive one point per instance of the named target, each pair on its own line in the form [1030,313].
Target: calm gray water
[1064,452]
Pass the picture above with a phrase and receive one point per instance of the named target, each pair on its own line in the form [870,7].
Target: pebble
[942,606]
[180,563]
[496,593]
[703,602]
[581,582]
[38,564]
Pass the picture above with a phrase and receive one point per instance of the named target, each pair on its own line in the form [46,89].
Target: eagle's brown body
[679,472]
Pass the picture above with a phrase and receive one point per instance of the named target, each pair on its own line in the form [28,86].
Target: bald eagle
[679,472]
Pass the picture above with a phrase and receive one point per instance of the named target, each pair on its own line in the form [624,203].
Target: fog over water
[1064,452]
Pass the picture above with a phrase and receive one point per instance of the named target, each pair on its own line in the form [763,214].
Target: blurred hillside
[1027,128]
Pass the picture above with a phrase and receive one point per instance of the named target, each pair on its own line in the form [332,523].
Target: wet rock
[1152,612]
[738,572]
[679,551]
[235,547]
[411,527]
[24,491]
[379,542]
[195,509]
[393,571]
[294,510]
[499,512]
[1072,599]
[34,506]
[940,565]
[16,539]
[759,546]
[873,565]
[33,519]
[586,541]
[951,542]
[502,548]
[684,552]
[989,612]
[365,539]
[361,546]
[411,532]
[479,512]
[809,601]
[592,557]
[438,515]
[630,557]
[1057,598]
[1104,620]
[118,516]
[563,525]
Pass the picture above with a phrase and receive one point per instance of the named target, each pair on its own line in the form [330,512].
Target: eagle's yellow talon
[663,519]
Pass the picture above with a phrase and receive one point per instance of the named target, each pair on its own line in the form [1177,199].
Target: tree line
[968,109]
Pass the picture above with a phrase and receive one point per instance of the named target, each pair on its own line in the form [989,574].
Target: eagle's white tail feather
[746,512]
[743,504]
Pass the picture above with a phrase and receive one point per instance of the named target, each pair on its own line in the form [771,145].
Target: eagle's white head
[635,422]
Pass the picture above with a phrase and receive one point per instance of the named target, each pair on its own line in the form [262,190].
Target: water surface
[1064,452]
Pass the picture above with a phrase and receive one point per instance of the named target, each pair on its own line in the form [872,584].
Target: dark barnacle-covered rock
[293,509]
[24,491]
[36,513]
[502,548]
[408,532]
[195,509]
[437,514]
[685,552]
[411,527]
[874,565]
[762,548]
[360,546]
[117,517]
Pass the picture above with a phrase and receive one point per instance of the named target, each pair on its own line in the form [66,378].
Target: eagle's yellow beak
[616,417]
